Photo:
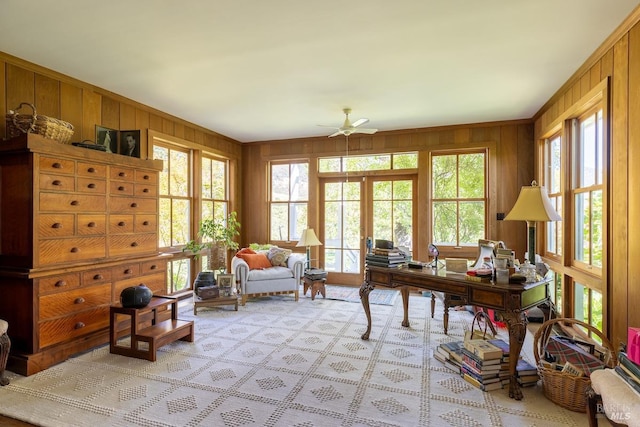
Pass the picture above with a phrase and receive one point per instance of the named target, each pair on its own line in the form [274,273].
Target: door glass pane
[393,211]
[342,227]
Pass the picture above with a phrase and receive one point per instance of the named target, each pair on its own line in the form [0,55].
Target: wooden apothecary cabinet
[76,227]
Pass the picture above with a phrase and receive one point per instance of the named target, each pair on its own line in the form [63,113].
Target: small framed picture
[107,138]
[225,284]
[130,143]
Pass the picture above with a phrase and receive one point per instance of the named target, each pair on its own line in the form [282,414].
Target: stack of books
[482,364]
[527,373]
[628,370]
[386,257]
[450,354]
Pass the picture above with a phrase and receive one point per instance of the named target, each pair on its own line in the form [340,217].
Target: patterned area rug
[276,362]
[352,294]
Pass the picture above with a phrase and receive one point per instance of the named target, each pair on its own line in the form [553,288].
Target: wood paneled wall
[85,106]
[511,152]
[618,59]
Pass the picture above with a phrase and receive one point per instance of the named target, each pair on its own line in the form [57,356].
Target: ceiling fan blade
[327,126]
[335,134]
[365,130]
[359,122]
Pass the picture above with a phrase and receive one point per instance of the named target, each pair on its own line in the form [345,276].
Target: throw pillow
[278,256]
[256,261]
[245,251]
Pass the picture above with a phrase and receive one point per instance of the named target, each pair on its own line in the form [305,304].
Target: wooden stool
[5,346]
[317,287]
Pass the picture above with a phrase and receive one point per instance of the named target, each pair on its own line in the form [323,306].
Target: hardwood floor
[11,422]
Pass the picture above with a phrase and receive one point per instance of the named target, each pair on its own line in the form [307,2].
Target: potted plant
[216,236]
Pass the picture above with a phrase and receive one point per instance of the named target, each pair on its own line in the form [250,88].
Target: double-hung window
[289,199]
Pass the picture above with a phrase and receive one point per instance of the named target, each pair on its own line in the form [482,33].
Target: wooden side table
[214,302]
[148,328]
[317,287]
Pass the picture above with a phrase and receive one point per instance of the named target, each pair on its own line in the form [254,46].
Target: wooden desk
[510,300]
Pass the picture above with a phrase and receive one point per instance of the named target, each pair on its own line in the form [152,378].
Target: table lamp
[308,239]
[533,205]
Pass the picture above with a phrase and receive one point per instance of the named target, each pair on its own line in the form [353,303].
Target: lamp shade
[533,204]
[309,238]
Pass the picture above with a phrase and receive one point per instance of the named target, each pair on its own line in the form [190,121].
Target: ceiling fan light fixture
[349,128]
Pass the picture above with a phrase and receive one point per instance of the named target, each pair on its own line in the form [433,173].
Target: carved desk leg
[433,303]
[404,291]
[365,289]
[517,329]
[5,346]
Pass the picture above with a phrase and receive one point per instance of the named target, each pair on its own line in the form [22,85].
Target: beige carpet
[276,362]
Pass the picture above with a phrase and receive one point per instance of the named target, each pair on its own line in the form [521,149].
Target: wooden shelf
[148,328]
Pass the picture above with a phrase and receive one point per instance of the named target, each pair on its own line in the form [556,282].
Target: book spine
[471,380]
[627,378]
[627,363]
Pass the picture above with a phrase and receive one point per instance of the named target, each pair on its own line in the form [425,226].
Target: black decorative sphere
[135,296]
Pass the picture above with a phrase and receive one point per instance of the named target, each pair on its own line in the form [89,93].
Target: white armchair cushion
[270,273]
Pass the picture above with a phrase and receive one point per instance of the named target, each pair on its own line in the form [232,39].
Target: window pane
[298,220]
[471,222]
[596,228]
[582,228]
[299,181]
[161,153]
[219,179]
[329,164]
[581,305]
[444,177]
[367,163]
[403,189]
[382,190]
[206,190]
[279,221]
[405,161]
[445,215]
[554,166]
[279,183]
[471,179]
[402,224]
[180,220]
[382,227]
[179,180]
[164,233]
[333,191]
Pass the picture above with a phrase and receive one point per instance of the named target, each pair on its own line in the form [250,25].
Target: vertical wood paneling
[127,116]
[142,123]
[47,96]
[634,175]
[91,113]
[71,111]
[110,113]
[155,122]
[606,67]
[3,99]
[20,87]
[619,193]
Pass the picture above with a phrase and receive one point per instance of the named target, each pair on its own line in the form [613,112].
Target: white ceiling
[261,70]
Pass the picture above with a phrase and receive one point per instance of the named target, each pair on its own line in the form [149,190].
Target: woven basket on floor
[19,124]
[562,388]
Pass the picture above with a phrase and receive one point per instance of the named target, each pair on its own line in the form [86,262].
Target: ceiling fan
[349,128]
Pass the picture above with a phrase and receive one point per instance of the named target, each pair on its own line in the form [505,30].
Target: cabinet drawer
[59,283]
[142,190]
[121,173]
[151,267]
[73,326]
[63,202]
[125,271]
[91,185]
[56,225]
[133,205]
[146,224]
[50,164]
[89,169]
[65,303]
[96,277]
[155,282]
[130,244]
[53,251]
[121,224]
[146,177]
[57,182]
[121,188]
[91,225]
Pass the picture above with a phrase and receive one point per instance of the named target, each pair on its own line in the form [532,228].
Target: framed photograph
[108,138]
[130,143]
[225,284]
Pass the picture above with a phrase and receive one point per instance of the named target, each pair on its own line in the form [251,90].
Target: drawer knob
[78,300]
[79,325]
[134,205]
[60,283]
[122,174]
[56,182]
[122,224]
[153,267]
[127,271]
[134,244]
[91,224]
[91,170]
[56,165]
[56,225]
[74,250]
[98,277]
[121,188]
[147,177]
[146,190]
[92,185]
[74,203]
[145,222]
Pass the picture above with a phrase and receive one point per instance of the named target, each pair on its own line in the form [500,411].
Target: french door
[359,207]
